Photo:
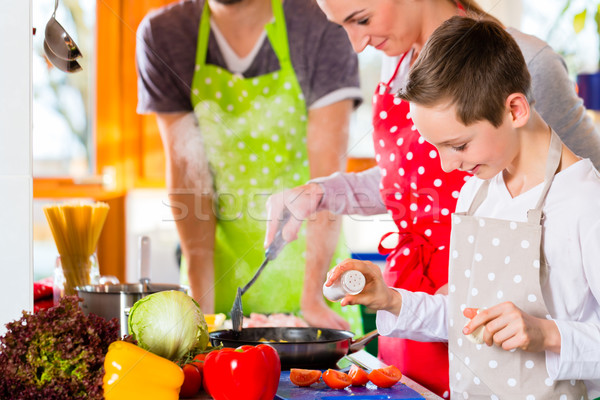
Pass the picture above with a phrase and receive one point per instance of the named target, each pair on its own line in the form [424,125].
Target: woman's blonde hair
[474,10]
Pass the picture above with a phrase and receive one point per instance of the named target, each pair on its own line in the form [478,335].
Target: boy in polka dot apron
[522,313]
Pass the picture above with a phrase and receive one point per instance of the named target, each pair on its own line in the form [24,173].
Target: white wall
[16,271]
[149,215]
[507,11]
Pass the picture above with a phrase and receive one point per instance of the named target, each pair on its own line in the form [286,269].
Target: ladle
[59,41]
[63,65]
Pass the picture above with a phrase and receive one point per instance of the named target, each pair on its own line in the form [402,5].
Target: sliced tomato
[336,379]
[385,377]
[192,381]
[304,377]
[358,375]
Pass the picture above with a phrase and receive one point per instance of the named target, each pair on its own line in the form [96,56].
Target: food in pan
[273,320]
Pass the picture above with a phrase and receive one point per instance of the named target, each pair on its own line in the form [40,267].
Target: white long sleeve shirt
[571,242]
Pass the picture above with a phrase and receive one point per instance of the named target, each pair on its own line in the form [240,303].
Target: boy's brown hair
[471,64]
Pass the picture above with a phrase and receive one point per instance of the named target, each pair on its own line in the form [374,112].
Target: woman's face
[392,26]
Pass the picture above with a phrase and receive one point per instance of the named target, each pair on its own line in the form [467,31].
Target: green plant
[583,11]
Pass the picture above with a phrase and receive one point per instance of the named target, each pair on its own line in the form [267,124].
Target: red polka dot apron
[493,261]
[420,197]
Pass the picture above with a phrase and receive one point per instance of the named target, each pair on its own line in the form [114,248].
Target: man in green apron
[262,104]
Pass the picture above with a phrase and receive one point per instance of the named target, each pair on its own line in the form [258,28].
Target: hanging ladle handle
[144,262]
[55,8]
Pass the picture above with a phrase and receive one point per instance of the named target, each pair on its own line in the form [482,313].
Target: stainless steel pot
[112,301]
[312,348]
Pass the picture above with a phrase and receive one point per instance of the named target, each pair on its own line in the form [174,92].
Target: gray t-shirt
[320,51]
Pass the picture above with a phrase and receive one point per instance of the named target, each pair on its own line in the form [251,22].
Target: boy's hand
[507,326]
[376,294]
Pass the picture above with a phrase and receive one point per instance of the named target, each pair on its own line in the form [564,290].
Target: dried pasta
[76,229]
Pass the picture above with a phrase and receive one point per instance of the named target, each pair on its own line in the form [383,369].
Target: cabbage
[169,324]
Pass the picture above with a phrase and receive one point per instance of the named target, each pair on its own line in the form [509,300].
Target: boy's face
[480,148]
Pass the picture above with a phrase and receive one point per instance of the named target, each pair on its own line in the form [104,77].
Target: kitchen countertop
[364,358]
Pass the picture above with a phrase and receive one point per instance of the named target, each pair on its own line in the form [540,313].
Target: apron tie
[417,261]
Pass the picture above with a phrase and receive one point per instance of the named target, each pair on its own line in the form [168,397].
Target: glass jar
[72,271]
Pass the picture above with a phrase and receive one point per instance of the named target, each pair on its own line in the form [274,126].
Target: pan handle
[361,342]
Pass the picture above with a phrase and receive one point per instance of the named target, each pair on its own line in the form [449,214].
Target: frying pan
[310,348]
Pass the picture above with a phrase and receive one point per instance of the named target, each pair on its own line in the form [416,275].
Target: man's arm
[327,141]
[190,190]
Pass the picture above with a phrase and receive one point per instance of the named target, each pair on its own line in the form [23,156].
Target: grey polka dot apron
[492,261]
[254,132]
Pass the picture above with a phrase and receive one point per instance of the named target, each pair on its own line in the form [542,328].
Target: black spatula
[237,314]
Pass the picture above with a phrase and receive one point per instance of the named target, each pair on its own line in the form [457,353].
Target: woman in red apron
[415,190]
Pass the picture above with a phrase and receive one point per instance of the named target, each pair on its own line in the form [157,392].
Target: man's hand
[508,327]
[319,314]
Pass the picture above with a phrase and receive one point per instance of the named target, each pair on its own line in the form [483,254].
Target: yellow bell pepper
[131,372]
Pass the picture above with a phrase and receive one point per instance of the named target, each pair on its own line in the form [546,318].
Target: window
[62,143]
[62,102]
[542,18]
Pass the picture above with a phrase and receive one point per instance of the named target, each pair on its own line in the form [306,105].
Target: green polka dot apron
[254,132]
[492,261]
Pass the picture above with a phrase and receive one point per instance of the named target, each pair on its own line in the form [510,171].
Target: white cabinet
[16,271]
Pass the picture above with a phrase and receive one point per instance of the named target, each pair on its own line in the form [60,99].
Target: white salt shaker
[351,282]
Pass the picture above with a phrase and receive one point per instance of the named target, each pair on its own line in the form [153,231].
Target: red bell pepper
[248,372]
[42,304]
[42,289]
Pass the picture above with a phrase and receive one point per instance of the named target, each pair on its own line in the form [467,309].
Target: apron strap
[203,34]
[277,33]
[553,161]
[389,83]
[552,164]
[480,196]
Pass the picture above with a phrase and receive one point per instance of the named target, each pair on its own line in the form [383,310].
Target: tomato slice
[192,381]
[385,377]
[336,379]
[304,377]
[358,375]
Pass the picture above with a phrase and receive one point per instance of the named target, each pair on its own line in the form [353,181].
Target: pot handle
[144,262]
[361,342]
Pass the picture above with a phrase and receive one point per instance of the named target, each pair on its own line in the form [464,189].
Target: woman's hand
[508,327]
[376,295]
[301,201]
